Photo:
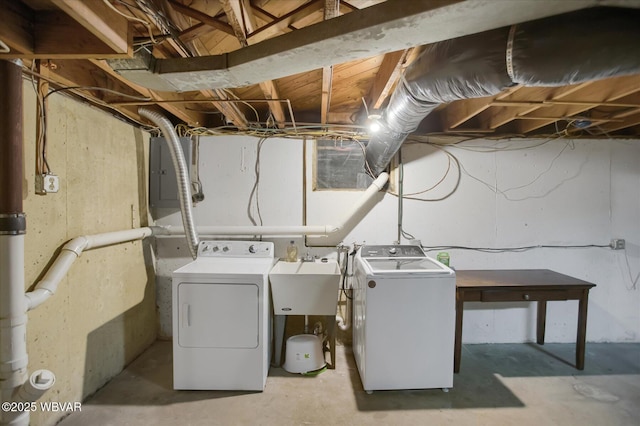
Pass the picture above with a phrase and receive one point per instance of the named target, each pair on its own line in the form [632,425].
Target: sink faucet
[308,258]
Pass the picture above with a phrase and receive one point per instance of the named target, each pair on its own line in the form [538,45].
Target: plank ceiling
[65,43]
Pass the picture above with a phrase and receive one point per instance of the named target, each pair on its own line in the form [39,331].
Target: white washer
[403,319]
[222,317]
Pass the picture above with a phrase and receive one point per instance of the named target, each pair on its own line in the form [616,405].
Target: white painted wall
[557,192]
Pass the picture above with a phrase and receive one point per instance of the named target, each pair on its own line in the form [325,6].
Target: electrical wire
[514,249]
[42,166]
[459,169]
[147,24]
[234,96]
[101,89]
[255,190]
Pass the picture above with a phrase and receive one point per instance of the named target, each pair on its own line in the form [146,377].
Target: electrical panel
[163,186]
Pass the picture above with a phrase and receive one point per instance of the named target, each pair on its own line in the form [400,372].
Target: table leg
[457,351]
[582,330]
[542,319]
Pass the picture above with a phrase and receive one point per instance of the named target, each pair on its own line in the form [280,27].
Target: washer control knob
[252,249]
[215,249]
[225,249]
[393,250]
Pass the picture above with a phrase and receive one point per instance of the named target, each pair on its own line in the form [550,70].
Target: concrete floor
[499,384]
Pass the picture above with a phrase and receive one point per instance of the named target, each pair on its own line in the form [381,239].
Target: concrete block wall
[103,314]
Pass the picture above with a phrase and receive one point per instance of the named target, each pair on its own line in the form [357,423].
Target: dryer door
[218,315]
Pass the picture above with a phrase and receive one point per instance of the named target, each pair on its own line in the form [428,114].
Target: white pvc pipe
[39,382]
[48,285]
[248,230]
[13,324]
[348,222]
[354,215]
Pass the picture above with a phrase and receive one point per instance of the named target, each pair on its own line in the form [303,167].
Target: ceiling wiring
[147,24]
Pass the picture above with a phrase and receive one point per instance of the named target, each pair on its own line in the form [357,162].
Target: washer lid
[406,265]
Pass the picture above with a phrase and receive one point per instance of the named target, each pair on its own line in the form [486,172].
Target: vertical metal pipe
[13,318]
[11,137]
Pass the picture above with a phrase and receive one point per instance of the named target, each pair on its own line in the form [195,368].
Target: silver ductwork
[182,175]
[586,45]
[386,27]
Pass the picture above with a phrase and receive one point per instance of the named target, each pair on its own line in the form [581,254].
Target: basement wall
[103,314]
[556,192]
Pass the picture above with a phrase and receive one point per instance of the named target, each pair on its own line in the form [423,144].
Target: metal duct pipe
[590,44]
[13,314]
[182,175]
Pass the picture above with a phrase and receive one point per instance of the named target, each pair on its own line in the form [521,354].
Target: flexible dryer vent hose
[182,175]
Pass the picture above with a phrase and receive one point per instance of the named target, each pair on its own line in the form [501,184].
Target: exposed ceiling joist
[77,30]
[108,26]
[331,10]
[277,26]
[191,117]
[393,25]
[202,17]
[614,89]
[242,20]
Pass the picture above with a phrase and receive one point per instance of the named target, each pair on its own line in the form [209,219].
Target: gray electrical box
[163,187]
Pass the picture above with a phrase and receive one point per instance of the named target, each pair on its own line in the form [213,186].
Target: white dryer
[403,319]
[222,317]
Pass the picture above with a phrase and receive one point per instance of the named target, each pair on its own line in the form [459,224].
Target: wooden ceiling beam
[72,33]
[231,112]
[459,112]
[630,121]
[278,26]
[607,90]
[386,78]
[101,21]
[243,21]
[202,17]
[191,117]
[331,10]
[193,32]
[82,73]
[17,27]
[497,116]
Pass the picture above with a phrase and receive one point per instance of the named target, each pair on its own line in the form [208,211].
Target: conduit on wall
[590,44]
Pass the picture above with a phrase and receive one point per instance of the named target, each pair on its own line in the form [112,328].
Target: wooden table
[540,285]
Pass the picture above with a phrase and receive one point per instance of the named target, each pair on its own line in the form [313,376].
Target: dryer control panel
[252,249]
[392,251]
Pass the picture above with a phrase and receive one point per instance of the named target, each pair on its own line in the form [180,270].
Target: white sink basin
[305,288]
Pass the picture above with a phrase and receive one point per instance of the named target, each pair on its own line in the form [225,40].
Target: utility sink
[305,288]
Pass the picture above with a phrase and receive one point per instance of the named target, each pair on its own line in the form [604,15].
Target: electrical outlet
[617,244]
[47,183]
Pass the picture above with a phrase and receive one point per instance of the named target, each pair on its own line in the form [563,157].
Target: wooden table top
[516,278]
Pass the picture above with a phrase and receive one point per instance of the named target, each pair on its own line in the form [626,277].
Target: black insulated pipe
[589,44]
[12,218]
